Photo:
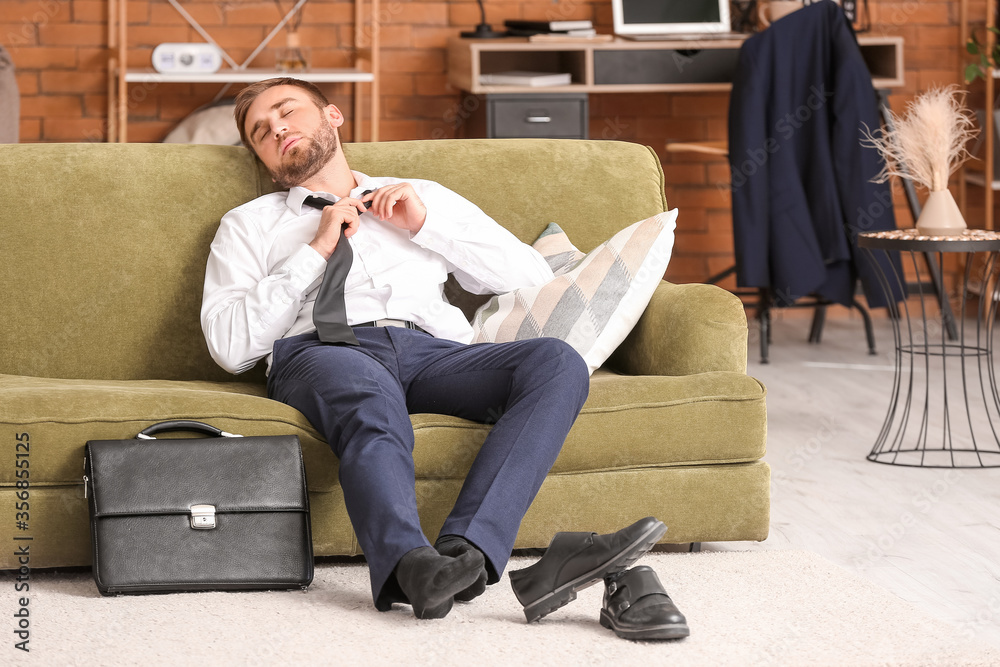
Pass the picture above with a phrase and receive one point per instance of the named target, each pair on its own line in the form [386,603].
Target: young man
[412,354]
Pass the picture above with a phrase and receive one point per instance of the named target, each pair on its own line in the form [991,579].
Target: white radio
[177,58]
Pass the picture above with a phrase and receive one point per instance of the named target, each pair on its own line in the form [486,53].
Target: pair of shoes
[637,607]
[431,581]
[454,546]
[574,561]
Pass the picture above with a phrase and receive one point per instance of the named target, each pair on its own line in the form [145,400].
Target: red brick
[18,35]
[91,57]
[63,81]
[407,60]
[153,35]
[701,104]
[95,105]
[421,13]
[466,16]
[30,129]
[148,131]
[700,198]
[397,130]
[38,57]
[684,174]
[401,36]
[700,243]
[27,83]
[44,106]
[408,84]
[253,14]
[207,15]
[89,11]
[137,11]
[74,128]
[68,34]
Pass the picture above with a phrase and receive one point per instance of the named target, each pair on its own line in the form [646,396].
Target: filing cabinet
[525,115]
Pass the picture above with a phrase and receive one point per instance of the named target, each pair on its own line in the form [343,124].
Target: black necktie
[330,311]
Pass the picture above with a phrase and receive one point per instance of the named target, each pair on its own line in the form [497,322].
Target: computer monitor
[670,17]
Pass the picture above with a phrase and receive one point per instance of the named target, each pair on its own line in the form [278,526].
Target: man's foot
[430,581]
[454,546]
[574,561]
[637,607]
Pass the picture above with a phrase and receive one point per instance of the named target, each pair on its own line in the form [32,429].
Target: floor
[929,535]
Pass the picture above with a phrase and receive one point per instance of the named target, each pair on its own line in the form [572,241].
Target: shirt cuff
[433,234]
[304,267]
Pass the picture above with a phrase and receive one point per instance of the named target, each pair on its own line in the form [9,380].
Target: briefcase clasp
[203,517]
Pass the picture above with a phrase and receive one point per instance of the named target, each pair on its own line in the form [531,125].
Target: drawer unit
[528,115]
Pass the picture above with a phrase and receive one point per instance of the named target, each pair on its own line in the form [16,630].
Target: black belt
[404,324]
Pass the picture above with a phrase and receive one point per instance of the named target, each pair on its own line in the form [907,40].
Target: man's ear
[333,115]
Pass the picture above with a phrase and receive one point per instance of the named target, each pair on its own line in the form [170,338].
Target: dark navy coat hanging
[801,180]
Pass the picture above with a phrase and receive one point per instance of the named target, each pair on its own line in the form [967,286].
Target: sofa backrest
[104,245]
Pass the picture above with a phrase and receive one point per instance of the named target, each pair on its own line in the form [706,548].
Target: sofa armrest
[686,329]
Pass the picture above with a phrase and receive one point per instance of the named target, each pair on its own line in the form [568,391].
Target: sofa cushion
[594,306]
[627,422]
[60,416]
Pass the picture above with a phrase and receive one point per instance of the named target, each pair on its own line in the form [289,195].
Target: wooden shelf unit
[592,65]
[978,175]
[365,70]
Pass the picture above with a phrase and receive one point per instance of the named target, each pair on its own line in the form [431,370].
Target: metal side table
[944,411]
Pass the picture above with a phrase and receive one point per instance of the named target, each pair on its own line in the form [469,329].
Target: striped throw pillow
[595,303]
[561,255]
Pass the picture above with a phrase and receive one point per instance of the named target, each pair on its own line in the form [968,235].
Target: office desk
[618,66]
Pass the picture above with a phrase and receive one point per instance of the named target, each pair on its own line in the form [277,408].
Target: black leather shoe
[430,581]
[637,607]
[575,561]
[454,546]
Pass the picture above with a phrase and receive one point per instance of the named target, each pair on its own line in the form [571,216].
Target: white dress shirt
[262,276]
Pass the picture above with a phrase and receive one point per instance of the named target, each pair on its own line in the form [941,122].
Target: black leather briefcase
[219,513]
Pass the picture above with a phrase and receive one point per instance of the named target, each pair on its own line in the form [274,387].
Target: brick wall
[60,50]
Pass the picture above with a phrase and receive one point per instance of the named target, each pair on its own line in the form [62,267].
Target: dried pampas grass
[928,142]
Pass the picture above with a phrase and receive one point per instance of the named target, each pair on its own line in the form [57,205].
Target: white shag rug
[743,608]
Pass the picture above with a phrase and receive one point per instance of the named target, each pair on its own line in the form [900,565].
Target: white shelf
[249,75]
[977,179]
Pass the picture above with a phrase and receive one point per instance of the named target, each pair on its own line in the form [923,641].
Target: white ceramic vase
[941,215]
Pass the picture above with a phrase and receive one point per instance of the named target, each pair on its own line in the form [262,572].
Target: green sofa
[103,256]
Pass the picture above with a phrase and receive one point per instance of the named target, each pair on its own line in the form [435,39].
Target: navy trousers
[360,399]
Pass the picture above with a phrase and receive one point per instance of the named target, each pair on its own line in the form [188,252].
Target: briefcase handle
[184,425]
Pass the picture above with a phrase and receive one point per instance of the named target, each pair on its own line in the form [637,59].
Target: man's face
[291,136]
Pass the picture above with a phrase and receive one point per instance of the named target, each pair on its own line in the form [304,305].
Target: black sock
[455,546]
[431,581]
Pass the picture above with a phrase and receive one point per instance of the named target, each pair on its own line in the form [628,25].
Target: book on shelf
[518,32]
[522,78]
[548,26]
[564,37]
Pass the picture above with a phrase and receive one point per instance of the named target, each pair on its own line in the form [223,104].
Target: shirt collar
[297,195]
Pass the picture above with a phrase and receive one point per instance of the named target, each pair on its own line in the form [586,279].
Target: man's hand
[347,211]
[399,205]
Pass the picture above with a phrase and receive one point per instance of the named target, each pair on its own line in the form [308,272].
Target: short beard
[307,160]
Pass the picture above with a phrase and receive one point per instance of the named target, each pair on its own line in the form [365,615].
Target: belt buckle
[389,322]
